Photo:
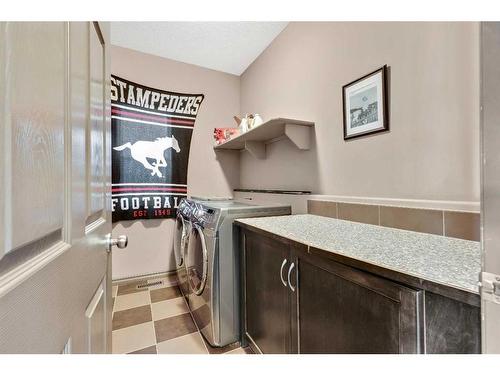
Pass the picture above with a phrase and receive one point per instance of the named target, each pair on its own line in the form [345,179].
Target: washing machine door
[180,240]
[197,261]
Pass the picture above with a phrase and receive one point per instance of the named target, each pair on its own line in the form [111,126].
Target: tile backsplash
[463,225]
[363,213]
[418,220]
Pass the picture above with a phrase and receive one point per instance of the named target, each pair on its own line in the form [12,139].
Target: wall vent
[149,284]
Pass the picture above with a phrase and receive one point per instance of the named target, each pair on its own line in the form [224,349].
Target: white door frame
[490,186]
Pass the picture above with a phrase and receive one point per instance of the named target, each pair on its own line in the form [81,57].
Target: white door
[490,198]
[55,290]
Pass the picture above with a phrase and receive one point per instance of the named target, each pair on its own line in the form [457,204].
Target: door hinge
[490,287]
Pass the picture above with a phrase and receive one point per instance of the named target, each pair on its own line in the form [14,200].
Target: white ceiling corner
[224,46]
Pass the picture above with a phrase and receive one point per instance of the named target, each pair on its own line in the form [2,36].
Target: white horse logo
[142,150]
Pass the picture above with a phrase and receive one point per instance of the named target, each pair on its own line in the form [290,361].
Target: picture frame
[365,105]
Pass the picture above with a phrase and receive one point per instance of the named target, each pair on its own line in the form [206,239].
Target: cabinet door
[345,310]
[267,312]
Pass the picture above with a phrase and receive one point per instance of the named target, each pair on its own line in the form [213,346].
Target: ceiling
[225,46]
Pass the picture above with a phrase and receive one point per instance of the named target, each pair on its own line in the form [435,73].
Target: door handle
[281,272]
[289,272]
[120,242]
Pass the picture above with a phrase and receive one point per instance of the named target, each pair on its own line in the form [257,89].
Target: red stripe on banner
[164,120]
[180,190]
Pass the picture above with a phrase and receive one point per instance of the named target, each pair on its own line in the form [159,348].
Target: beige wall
[150,241]
[432,150]
[430,158]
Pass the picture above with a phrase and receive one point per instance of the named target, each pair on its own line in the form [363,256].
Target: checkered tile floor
[156,320]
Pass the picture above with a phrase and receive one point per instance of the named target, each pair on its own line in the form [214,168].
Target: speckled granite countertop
[443,260]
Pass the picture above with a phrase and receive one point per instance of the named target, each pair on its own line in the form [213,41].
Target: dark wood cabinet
[298,302]
[267,309]
[451,327]
[343,310]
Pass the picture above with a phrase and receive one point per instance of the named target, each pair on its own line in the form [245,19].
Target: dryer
[181,234]
[182,230]
[212,266]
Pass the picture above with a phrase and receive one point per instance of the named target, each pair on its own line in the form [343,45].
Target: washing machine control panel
[205,217]
[185,208]
[197,213]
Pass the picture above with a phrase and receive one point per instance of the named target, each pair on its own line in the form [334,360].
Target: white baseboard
[128,279]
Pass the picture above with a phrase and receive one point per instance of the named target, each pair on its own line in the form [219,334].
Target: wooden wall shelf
[254,140]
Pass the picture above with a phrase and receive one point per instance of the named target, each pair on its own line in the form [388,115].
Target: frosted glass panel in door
[32,117]
[96,128]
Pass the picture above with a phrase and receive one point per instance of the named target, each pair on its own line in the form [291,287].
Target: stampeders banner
[151,136]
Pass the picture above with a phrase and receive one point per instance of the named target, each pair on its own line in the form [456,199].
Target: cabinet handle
[281,272]
[289,272]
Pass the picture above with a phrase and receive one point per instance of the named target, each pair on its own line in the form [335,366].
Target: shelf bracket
[300,135]
[256,149]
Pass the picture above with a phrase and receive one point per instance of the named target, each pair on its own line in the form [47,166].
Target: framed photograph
[365,105]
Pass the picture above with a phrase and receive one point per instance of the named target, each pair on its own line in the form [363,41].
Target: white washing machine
[212,266]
